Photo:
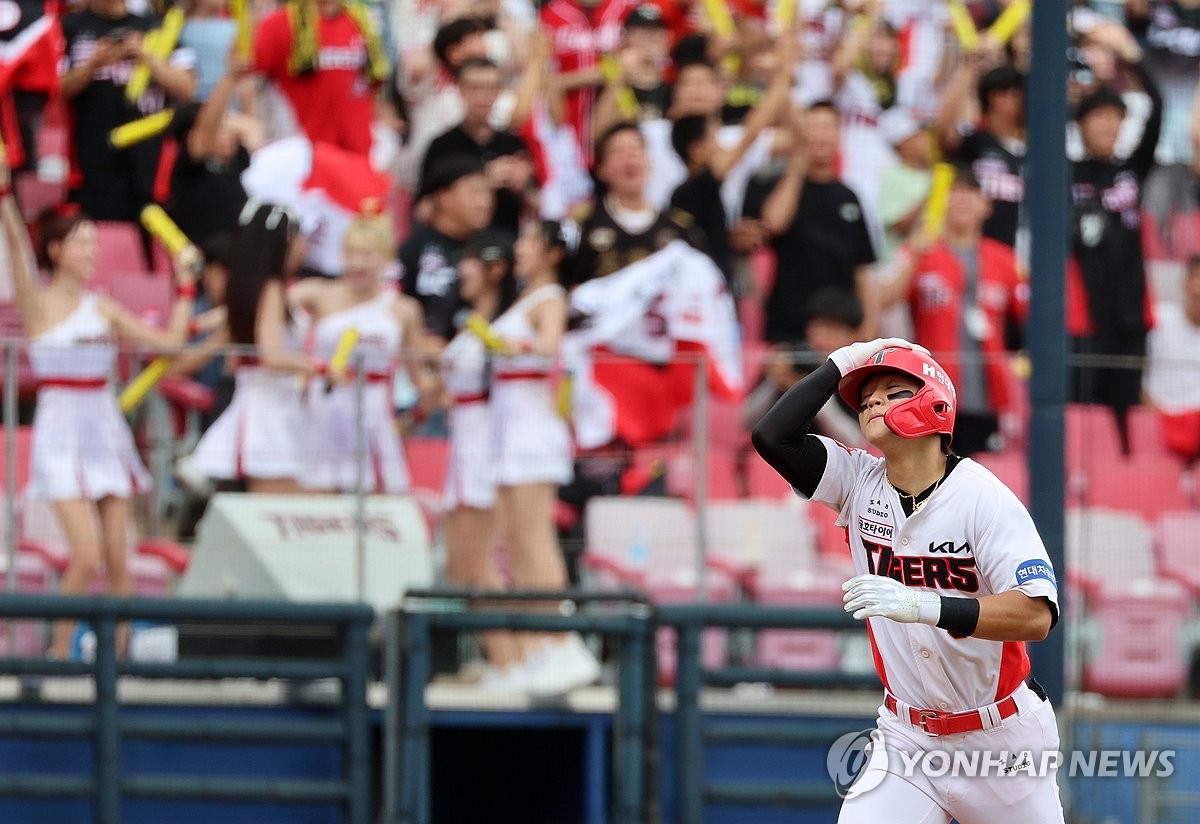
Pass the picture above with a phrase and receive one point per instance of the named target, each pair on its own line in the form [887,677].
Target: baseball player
[952,579]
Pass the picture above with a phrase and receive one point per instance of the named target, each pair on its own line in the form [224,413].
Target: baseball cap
[898,125]
[645,16]
[490,246]
[448,171]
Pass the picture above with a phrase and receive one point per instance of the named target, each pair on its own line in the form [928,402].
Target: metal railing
[107,726]
[693,731]
[626,618]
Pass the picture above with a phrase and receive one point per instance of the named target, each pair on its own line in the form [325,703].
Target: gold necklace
[916,505]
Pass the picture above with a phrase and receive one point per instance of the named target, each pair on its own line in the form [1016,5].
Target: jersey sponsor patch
[875,530]
[1035,568]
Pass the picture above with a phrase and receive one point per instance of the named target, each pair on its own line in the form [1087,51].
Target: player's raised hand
[870,596]
[857,354]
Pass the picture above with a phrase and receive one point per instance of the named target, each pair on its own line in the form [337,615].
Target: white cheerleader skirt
[82,447]
[531,443]
[259,435]
[332,421]
[471,475]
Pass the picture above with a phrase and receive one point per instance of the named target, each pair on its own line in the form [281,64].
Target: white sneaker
[193,478]
[562,666]
[504,679]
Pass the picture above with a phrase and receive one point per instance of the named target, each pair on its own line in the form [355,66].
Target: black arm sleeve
[782,438]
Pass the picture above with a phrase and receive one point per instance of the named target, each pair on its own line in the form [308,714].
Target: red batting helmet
[929,412]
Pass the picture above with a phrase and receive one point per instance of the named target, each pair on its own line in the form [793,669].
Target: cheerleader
[386,322]
[83,454]
[531,446]
[488,287]
[258,438]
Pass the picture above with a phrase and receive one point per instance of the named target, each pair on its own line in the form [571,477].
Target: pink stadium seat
[725,430]
[1177,533]
[1185,235]
[1106,548]
[24,440]
[12,327]
[1138,652]
[35,196]
[651,543]
[427,461]
[802,649]
[119,249]
[762,543]
[763,481]
[34,577]
[1152,239]
[639,540]
[1148,486]
[1011,468]
[754,355]
[1145,433]
[751,313]
[1091,435]
[722,474]
[147,296]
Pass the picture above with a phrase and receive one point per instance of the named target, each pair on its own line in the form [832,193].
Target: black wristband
[960,616]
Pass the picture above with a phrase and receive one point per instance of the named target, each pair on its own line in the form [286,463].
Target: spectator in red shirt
[327,61]
[581,31]
[962,287]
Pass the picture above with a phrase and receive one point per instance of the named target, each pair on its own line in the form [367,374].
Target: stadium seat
[1145,433]
[1011,468]
[802,649]
[762,543]
[34,196]
[725,430]
[1176,534]
[34,577]
[1106,549]
[1091,435]
[636,539]
[1138,642]
[763,481]
[1185,235]
[147,296]
[1148,486]
[1152,238]
[118,249]
[723,483]
[428,460]
[12,327]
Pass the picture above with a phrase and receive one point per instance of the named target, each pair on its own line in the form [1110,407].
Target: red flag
[645,329]
[327,186]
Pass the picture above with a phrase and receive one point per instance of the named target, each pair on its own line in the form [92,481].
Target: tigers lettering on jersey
[922,570]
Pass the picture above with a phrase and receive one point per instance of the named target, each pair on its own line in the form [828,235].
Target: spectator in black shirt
[638,89]
[103,46]
[694,140]
[620,226]
[214,149]
[818,231]
[462,204]
[995,150]
[504,155]
[1107,308]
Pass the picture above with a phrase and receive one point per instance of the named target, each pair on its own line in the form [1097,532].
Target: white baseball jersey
[970,538]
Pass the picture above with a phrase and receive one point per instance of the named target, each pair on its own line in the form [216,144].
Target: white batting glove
[869,596]
[857,354]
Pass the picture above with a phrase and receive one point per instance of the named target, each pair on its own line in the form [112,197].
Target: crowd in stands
[850,168]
